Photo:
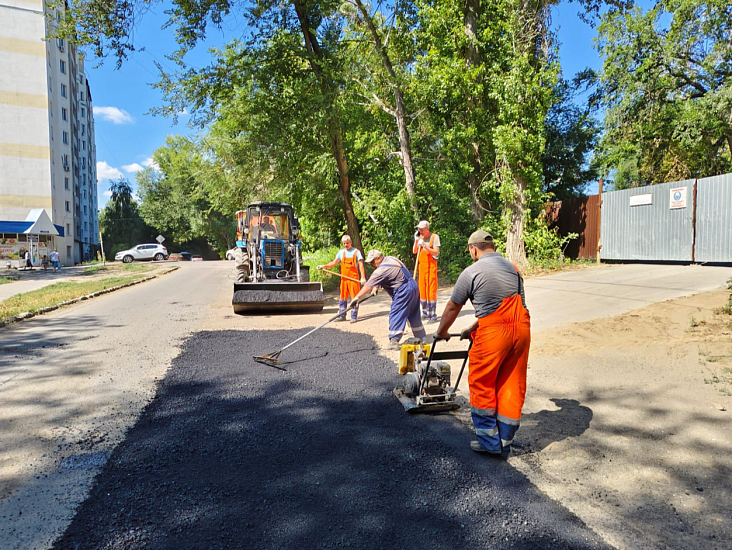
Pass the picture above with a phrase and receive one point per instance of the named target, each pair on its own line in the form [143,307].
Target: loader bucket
[278,297]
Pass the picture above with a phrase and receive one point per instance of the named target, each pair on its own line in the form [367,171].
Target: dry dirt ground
[627,423]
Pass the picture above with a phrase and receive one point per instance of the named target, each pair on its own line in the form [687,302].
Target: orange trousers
[498,361]
[427,275]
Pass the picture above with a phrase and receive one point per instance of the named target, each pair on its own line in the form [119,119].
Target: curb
[29,314]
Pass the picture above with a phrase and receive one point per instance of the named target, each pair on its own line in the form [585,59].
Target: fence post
[599,219]
[693,225]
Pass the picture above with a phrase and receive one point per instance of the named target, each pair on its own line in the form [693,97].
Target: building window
[63,90]
[85,209]
[83,126]
[82,111]
[64,113]
[83,162]
[82,95]
[83,144]
[66,183]
[68,206]
[68,229]
[62,66]
[60,43]
[68,252]
[65,137]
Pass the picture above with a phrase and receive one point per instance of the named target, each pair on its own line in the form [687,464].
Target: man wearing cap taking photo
[427,248]
[391,275]
[501,339]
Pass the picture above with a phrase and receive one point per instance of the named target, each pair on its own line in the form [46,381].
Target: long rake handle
[340,275]
[321,326]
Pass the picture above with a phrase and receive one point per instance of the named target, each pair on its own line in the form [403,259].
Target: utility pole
[101,245]
[599,220]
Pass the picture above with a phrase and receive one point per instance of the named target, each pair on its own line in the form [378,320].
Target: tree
[666,84]
[120,220]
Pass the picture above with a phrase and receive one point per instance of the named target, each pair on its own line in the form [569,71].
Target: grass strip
[55,294]
[5,280]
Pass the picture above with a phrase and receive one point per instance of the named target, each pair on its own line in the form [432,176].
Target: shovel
[273,359]
[340,275]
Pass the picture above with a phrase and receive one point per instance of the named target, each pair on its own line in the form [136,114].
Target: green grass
[56,293]
[320,257]
[725,309]
[5,280]
[115,268]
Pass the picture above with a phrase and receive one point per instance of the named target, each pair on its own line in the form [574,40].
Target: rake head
[271,359]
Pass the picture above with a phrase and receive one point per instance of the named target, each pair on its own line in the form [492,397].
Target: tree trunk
[515,248]
[335,130]
[405,142]
[472,58]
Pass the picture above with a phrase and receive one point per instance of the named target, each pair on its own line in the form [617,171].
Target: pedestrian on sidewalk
[501,338]
[44,262]
[391,275]
[55,263]
[28,264]
[351,261]
[427,248]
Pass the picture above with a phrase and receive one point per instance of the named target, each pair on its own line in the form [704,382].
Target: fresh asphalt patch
[315,454]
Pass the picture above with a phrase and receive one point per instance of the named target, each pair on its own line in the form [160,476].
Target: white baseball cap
[372,255]
[423,224]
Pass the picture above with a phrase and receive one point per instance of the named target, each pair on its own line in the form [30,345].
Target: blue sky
[126,136]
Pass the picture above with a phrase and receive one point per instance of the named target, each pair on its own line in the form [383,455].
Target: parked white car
[155,252]
[230,253]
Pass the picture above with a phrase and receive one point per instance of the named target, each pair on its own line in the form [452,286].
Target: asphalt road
[235,454]
[324,442]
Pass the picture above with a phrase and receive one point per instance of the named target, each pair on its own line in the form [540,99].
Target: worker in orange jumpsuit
[427,247]
[501,338]
[351,261]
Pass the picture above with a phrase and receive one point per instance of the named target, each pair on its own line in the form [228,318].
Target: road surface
[73,382]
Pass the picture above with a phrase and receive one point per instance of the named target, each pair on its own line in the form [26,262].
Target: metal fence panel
[640,223]
[579,216]
[714,219]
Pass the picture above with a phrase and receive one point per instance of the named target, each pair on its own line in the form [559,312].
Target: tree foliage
[666,84]
[120,221]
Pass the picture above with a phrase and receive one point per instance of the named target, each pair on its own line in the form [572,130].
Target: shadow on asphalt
[231,454]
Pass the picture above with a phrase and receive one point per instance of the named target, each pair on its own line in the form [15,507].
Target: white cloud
[107,172]
[150,163]
[113,115]
[132,168]
[107,193]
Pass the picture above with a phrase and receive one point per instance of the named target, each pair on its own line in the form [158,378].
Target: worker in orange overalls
[351,261]
[427,247]
[501,338]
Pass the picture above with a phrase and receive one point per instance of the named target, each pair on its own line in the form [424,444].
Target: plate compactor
[427,373]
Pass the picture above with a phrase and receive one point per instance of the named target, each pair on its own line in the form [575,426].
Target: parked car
[180,257]
[155,252]
[230,253]
[197,259]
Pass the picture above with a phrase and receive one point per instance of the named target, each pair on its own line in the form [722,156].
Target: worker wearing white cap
[427,247]
[391,275]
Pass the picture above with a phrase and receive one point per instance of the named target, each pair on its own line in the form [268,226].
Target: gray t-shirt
[487,282]
[388,275]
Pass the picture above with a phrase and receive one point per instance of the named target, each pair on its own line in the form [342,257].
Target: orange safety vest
[349,268]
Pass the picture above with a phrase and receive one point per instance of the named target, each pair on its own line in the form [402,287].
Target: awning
[37,223]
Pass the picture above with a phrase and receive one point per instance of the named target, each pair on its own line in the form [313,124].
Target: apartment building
[47,148]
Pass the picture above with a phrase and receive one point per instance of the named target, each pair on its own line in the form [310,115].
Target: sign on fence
[678,198]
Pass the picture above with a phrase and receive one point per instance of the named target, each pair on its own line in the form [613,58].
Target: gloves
[353,303]
[363,280]
[320,267]
[466,333]
[374,291]
[416,235]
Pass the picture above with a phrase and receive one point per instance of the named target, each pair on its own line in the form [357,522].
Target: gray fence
[714,219]
[685,221]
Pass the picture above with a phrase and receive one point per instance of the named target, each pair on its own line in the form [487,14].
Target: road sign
[160,239]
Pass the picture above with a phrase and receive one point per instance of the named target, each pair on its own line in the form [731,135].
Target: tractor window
[273,224]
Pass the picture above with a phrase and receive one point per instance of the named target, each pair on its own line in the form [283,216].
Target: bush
[320,257]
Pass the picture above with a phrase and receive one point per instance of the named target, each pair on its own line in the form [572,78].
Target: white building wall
[41,148]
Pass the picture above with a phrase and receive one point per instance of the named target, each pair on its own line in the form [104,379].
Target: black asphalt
[235,454]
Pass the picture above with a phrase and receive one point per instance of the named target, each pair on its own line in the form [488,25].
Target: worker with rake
[391,275]
[501,338]
[351,261]
[427,248]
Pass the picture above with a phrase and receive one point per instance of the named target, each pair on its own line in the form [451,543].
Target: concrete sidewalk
[35,279]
